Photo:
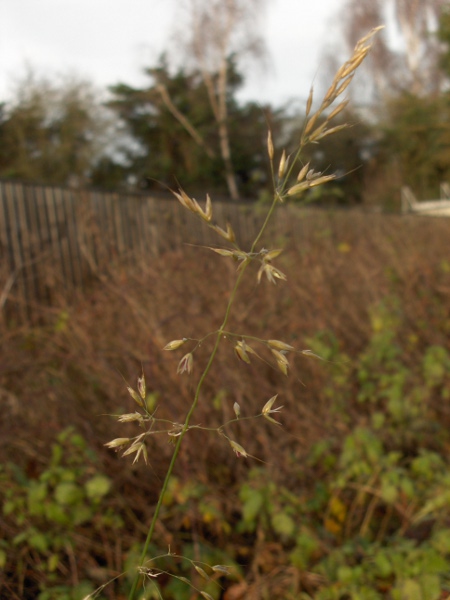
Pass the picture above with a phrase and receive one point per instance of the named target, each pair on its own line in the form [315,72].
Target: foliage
[376,289]
[51,132]
[417,138]
[349,151]
[405,58]
[444,37]
[46,513]
[169,149]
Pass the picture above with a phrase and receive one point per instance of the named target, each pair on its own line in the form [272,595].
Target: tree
[406,57]
[51,132]
[417,137]
[347,152]
[175,138]
[444,37]
[216,34]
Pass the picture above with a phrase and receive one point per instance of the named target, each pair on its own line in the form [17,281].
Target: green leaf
[81,513]
[9,507]
[37,494]
[389,492]
[283,524]
[431,588]
[53,562]
[39,542]
[97,487]
[68,493]
[252,506]
[55,513]
[306,545]
[382,564]
[408,589]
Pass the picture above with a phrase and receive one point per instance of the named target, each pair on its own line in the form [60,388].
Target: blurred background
[104,107]
[116,96]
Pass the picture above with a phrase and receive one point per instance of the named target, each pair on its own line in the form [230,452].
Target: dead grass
[70,370]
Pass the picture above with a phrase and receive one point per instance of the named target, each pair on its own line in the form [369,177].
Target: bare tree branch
[184,121]
[216,30]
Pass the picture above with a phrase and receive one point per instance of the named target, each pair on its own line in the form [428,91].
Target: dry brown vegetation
[70,369]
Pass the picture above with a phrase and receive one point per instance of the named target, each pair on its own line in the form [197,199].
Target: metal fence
[54,240]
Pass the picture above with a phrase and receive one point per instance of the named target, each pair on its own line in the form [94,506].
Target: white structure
[432,208]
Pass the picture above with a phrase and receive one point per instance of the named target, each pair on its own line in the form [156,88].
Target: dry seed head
[303,172]
[222,251]
[238,449]
[321,180]
[309,102]
[311,353]
[129,417]
[241,350]
[332,131]
[369,35]
[240,255]
[237,410]
[317,132]
[282,361]
[244,262]
[228,234]
[176,430]
[141,386]
[283,165]
[330,96]
[311,174]
[268,405]
[136,447]
[136,397]
[270,149]
[205,595]
[206,214]
[311,123]
[271,272]
[278,345]
[197,207]
[185,364]
[344,86]
[298,188]
[355,62]
[339,108]
[301,187]
[185,200]
[174,344]
[268,410]
[208,208]
[118,442]
[272,254]
[140,449]
[201,572]
[223,569]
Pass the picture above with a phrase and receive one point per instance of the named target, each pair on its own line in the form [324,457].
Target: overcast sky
[107,41]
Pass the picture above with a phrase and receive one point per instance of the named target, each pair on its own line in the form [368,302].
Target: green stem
[185,428]
[183,433]
[264,226]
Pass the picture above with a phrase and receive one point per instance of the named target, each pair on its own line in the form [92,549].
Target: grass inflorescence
[283,188]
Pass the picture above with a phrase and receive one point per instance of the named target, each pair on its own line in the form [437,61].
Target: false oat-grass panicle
[316,128]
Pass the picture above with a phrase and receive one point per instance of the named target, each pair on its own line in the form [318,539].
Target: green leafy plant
[47,512]
[384,528]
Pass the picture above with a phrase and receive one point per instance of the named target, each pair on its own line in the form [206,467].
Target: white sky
[107,41]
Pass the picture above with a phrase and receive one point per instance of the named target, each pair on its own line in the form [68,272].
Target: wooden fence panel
[52,240]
